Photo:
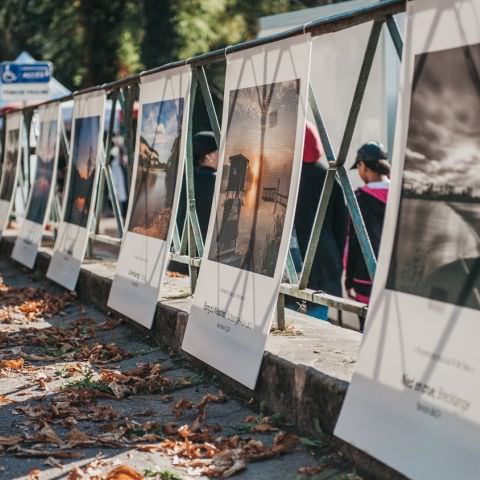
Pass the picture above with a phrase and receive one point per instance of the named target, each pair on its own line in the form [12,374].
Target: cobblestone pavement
[83,396]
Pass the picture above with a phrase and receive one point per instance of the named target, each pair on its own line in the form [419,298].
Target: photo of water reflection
[257,169]
[436,252]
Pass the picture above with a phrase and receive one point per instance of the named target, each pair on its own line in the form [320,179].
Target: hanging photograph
[10,166]
[157,168]
[436,252]
[413,402]
[264,115]
[43,188]
[46,149]
[256,177]
[83,166]
[79,197]
[157,173]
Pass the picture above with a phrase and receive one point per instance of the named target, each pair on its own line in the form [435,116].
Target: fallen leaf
[14,364]
[123,472]
[181,406]
[34,474]
[5,400]
[311,470]
[12,440]
[36,453]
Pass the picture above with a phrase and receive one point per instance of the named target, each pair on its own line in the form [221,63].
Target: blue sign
[15,73]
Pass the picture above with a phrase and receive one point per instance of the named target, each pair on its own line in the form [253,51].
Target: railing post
[189,172]
[357,220]
[317,227]
[281,324]
[395,35]
[208,101]
[359,91]
[127,98]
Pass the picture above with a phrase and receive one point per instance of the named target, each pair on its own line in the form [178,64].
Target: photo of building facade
[158,162]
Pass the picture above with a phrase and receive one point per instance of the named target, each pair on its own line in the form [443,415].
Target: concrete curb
[306,396]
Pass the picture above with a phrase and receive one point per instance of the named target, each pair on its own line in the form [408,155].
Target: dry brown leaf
[76,438]
[264,427]
[119,390]
[123,472]
[311,470]
[36,453]
[182,405]
[34,474]
[46,434]
[14,364]
[10,440]
[4,400]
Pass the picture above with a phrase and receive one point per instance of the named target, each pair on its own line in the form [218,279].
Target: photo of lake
[158,161]
[436,251]
[259,151]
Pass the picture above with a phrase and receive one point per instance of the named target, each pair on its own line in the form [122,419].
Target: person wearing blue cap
[374,170]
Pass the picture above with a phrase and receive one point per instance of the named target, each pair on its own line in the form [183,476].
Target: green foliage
[95,41]
[161,475]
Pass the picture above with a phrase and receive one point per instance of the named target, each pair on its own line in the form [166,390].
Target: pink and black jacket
[372,200]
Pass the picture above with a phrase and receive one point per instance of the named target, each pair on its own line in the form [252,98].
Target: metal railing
[187,246]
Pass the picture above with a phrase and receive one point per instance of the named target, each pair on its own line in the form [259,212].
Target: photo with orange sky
[255,185]
[43,175]
[84,160]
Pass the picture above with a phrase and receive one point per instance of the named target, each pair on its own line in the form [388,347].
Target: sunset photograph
[437,247]
[84,158]
[158,161]
[11,154]
[257,169]
[43,175]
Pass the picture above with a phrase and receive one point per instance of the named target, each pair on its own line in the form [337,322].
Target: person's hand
[351,293]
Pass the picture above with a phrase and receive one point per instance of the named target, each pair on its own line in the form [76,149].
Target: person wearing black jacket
[327,266]
[205,158]
[205,162]
[374,170]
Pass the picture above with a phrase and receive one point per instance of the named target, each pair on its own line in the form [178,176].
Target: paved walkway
[83,396]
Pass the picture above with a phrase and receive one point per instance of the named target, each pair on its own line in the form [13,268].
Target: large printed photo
[158,161]
[436,253]
[257,169]
[10,166]
[43,176]
[84,160]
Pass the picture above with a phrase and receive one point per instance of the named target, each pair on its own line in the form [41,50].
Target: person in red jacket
[374,170]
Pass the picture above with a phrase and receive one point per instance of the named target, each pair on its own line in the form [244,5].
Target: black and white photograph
[259,152]
[43,176]
[84,160]
[10,164]
[158,160]
[436,253]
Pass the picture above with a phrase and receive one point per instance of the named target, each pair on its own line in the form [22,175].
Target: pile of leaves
[145,378]
[30,304]
[56,427]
